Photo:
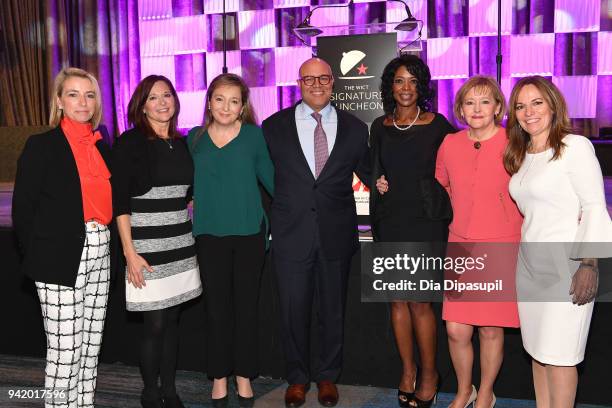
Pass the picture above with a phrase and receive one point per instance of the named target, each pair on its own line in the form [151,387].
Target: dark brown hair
[136,116]
[518,139]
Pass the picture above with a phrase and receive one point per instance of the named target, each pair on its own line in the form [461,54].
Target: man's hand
[382,185]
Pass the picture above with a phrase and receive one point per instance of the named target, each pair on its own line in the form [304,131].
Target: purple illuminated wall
[567,40]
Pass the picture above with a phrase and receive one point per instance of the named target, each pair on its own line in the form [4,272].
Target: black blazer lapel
[67,169]
[292,125]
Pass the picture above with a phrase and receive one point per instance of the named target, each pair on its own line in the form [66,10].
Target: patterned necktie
[321,151]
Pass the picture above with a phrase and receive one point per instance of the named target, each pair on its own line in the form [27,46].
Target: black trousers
[300,283]
[231,270]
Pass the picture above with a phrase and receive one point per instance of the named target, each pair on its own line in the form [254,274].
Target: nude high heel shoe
[493,402]
[472,398]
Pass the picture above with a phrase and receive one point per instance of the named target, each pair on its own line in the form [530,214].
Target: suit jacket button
[314,187]
[313,209]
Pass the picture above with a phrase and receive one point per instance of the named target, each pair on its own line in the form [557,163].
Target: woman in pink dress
[470,166]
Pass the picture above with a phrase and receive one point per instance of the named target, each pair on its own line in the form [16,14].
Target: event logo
[357,62]
[349,63]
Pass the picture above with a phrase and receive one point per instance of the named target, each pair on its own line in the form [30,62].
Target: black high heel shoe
[404,397]
[223,401]
[244,402]
[151,403]
[220,402]
[416,402]
[173,402]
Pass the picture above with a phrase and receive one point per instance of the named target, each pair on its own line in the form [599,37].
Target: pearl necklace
[410,125]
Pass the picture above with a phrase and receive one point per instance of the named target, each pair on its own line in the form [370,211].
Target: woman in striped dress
[153,173]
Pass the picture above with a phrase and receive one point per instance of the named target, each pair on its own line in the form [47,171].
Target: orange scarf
[93,173]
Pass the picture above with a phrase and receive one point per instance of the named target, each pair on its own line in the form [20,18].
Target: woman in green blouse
[230,158]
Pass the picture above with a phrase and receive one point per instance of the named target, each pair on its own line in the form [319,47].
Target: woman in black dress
[153,173]
[404,145]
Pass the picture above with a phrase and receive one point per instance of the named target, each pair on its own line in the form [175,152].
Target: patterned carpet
[119,387]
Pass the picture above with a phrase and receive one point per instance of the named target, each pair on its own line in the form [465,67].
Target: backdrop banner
[357,63]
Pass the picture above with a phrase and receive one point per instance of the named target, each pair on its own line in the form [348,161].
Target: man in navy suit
[315,149]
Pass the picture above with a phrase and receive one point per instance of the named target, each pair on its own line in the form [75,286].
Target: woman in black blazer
[61,210]
[153,174]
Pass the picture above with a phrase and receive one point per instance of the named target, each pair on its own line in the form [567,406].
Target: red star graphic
[362,69]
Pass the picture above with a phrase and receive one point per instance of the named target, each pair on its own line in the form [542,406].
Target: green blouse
[227,200]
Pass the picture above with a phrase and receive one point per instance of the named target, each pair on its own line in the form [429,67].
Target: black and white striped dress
[161,233]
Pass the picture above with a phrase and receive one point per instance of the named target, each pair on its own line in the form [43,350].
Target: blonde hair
[482,83]
[56,114]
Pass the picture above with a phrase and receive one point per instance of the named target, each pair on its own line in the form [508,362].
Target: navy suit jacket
[305,209]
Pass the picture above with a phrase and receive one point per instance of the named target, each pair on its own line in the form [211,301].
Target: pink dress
[482,212]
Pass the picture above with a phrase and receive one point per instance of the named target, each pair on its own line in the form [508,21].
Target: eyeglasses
[310,80]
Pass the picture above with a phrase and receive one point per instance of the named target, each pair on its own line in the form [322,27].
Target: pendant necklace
[168,142]
[410,125]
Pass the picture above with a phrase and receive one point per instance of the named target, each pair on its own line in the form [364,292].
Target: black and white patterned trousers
[74,321]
